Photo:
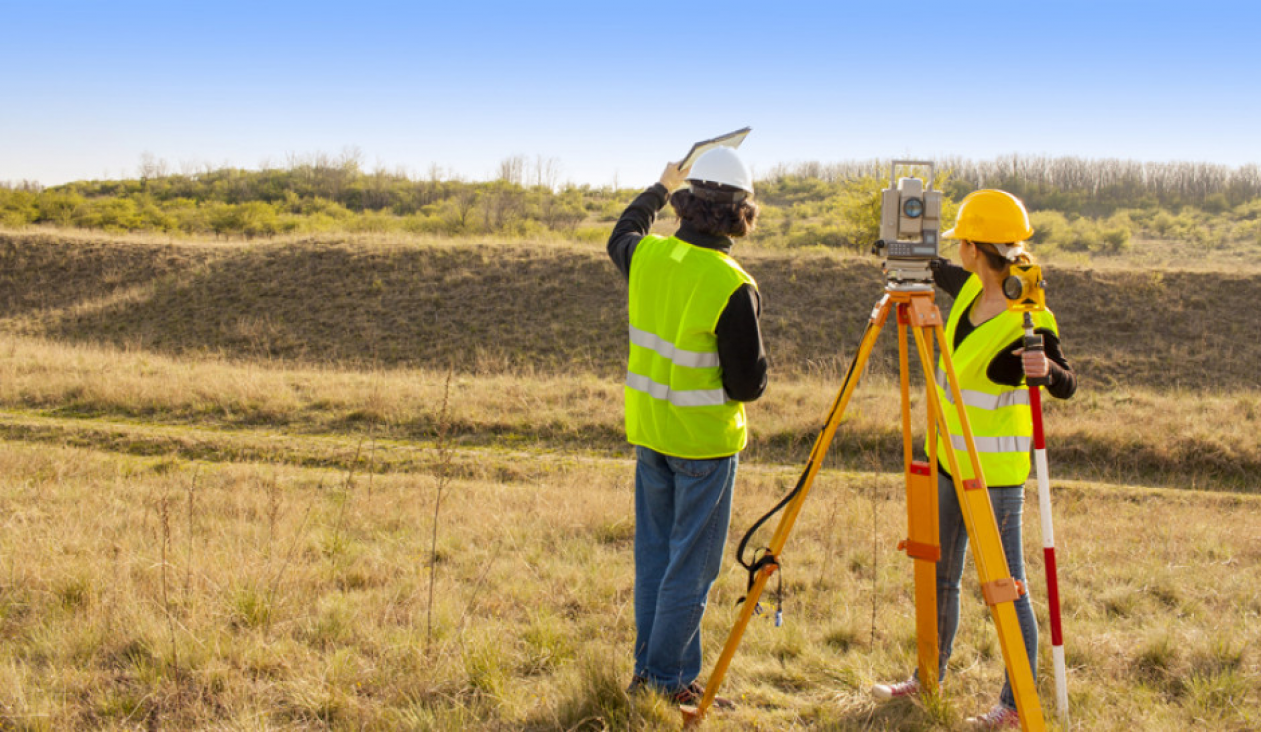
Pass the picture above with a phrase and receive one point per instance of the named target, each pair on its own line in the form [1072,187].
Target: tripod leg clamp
[922,541]
[919,550]
[1002,590]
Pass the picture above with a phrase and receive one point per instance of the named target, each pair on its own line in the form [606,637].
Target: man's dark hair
[716,209]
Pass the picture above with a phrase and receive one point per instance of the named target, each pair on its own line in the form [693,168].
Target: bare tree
[464,200]
[512,169]
[546,172]
[351,159]
[151,166]
[502,205]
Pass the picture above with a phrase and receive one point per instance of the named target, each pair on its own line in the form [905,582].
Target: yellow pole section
[926,572]
[919,523]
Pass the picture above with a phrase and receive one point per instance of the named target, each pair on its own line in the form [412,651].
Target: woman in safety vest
[695,357]
[986,349]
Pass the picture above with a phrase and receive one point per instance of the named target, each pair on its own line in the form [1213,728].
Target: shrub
[109,214]
[423,224]
[593,234]
[832,236]
[374,222]
[17,208]
[251,219]
[1114,235]
[57,207]
[1050,229]
[1114,240]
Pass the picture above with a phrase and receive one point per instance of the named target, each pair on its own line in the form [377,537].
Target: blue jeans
[682,512]
[1008,504]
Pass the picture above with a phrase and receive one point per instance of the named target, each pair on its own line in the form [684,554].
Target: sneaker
[884,692]
[694,692]
[1000,717]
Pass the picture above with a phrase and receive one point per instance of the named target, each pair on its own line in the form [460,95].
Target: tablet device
[731,139]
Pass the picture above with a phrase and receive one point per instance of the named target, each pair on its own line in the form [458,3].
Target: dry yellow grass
[1186,439]
[295,598]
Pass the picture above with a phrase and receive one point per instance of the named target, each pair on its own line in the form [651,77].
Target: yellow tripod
[917,311]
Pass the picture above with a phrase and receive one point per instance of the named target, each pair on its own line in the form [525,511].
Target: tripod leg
[922,543]
[999,589]
[693,715]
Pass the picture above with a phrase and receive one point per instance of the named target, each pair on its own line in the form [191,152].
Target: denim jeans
[1008,504]
[682,512]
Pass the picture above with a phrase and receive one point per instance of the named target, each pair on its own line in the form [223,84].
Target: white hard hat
[721,165]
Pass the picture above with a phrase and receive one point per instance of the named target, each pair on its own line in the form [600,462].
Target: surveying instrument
[909,229]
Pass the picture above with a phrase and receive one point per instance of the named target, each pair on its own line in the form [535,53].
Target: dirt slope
[491,306]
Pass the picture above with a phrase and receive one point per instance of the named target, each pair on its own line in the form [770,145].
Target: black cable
[755,566]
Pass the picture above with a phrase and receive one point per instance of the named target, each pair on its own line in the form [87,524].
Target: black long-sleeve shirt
[1006,368]
[740,351]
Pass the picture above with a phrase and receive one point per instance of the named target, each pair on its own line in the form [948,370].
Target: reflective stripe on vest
[999,415]
[980,399]
[675,402]
[667,350]
[687,398]
[992,444]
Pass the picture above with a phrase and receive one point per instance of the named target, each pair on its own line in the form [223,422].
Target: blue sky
[613,91]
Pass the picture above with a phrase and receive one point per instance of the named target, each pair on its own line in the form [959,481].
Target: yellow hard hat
[992,216]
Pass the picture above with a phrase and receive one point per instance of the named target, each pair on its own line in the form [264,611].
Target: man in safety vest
[695,356]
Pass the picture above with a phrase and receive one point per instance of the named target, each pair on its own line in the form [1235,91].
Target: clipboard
[731,139]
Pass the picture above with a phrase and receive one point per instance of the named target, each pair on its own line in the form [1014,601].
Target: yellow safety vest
[999,415]
[675,402]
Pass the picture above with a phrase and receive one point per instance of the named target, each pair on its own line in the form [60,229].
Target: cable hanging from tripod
[766,559]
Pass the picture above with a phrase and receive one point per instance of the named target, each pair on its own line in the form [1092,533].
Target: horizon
[162,168]
[610,96]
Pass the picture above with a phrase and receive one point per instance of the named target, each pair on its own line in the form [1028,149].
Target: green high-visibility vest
[999,415]
[675,402]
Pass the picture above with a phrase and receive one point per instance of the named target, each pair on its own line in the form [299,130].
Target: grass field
[348,485]
[161,592]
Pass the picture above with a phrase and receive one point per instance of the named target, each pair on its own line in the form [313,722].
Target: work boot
[885,692]
[1000,717]
[694,692]
[638,684]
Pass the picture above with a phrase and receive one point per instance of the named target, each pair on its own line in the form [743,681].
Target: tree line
[1070,185]
[1085,204]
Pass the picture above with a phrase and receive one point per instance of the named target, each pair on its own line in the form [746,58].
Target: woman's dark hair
[711,210]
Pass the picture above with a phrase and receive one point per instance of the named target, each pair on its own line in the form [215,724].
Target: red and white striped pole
[1048,541]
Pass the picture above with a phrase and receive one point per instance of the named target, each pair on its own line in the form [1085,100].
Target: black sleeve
[1007,369]
[634,222]
[949,277]
[740,350]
